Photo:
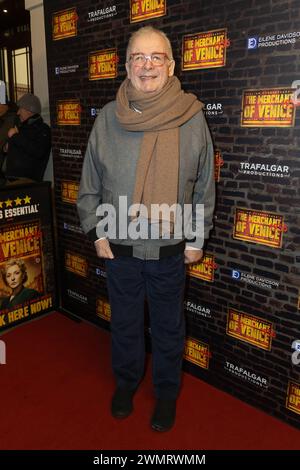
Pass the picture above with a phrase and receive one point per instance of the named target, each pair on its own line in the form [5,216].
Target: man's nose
[148,64]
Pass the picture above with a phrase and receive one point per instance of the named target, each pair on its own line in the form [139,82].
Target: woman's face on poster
[14,276]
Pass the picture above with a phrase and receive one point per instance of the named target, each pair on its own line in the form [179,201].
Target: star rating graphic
[15,202]
[27,200]
[8,202]
[18,201]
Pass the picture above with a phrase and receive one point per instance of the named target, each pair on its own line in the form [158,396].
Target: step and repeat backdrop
[241,58]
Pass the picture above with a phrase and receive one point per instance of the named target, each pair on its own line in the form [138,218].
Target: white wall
[39,62]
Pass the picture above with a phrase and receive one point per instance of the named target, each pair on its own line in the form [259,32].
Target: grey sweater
[109,172]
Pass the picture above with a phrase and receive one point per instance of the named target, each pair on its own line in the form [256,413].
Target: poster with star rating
[27,281]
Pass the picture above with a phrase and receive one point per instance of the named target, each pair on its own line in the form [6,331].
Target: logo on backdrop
[66,152]
[205,269]
[213,109]
[296,353]
[197,309]
[101,272]
[265,228]
[250,329]
[272,40]
[66,69]
[95,112]
[64,24]
[265,168]
[254,280]
[246,374]
[68,112]
[102,13]
[293,397]
[141,10]
[103,64]
[76,296]
[197,352]
[219,162]
[76,264]
[72,228]
[69,191]
[270,107]
[204,50]
[103,309]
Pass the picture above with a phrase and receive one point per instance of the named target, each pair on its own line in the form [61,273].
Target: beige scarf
[160,116]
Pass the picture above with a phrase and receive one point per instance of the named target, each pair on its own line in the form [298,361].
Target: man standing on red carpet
[150,148]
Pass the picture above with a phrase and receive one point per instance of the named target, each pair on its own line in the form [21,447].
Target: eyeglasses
[157,59]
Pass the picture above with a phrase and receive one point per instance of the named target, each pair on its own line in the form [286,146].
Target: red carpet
[57,385]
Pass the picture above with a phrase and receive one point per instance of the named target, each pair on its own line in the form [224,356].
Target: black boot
[164,415]
[121,404]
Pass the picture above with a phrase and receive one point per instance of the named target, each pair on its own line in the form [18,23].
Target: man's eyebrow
[154,52]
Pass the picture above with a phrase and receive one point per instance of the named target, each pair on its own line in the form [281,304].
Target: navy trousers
[129,281]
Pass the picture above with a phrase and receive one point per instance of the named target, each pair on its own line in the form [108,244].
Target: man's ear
[127,70]
[171,68]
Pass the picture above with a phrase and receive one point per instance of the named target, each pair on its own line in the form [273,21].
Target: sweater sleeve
[90,189]
[204,190]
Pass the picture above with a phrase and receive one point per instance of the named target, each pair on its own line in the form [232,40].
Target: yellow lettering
[18,314]
[276,111]
[265,231]
[209,53]
[150,5]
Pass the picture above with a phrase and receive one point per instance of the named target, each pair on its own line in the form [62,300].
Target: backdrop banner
[242,300]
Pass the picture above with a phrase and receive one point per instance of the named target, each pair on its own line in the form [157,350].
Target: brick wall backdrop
[258,280]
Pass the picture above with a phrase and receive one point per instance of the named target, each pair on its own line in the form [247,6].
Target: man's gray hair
[149,30]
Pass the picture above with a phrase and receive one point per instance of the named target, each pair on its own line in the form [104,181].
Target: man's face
[24,114]
[149,78]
